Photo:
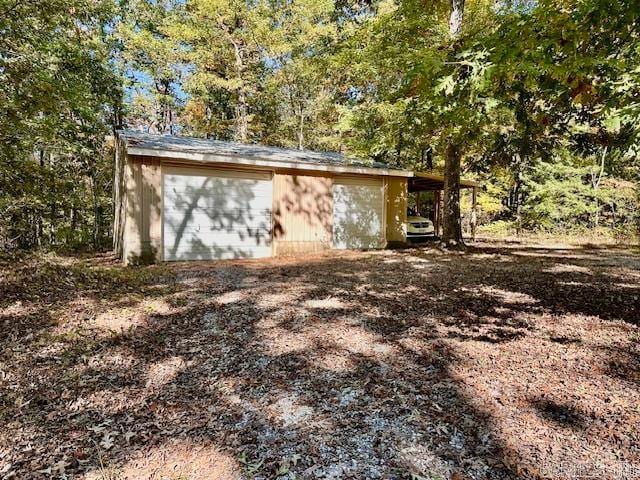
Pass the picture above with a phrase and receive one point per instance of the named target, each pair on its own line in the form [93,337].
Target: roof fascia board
[241,160]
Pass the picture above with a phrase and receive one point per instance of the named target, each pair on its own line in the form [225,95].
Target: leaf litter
[508,361]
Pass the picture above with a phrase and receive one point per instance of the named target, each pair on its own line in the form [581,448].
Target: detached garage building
[180,198]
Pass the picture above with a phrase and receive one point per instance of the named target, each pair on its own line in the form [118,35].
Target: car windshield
[411,211]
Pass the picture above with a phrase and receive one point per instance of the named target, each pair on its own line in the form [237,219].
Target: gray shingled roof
[172,143]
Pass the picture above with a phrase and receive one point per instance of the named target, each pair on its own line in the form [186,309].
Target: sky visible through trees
[538,100]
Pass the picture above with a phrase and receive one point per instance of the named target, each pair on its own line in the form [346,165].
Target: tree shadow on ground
[382,365]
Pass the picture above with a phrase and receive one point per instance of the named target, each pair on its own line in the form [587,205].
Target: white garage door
[358,213]
[216,214]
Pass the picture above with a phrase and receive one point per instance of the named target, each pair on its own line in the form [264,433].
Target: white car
[419,227]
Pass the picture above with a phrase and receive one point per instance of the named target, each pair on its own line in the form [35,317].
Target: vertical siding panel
[396,210]
[131,212]
[151,208]
[144,206]
[302,209]
[140,212]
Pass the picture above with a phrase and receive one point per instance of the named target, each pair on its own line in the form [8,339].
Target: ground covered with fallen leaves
[507,361]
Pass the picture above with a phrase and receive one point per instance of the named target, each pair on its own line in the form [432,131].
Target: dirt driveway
[509,361]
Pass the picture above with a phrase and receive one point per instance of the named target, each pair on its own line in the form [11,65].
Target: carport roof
[215,151]
[422,181]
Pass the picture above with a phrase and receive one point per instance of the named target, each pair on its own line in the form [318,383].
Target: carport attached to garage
[428,182]
[180,198]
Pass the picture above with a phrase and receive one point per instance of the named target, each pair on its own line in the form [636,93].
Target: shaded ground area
[509,361]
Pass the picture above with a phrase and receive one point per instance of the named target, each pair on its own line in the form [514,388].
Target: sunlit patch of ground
[508,361]
[16,308]
[289,411]
[164,372]
[331,303]
[174,460]
[231,297]
[506,296]
[120,319]
[563,268]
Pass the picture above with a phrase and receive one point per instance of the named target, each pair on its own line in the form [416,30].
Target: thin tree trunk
[301,130]
[596,177]
[242,108]
[39,230]
[96,212]
[517,196]
[456,16]
[451,223]
[52,205]
[242,124]
[399,146]
[613,215]
[426,158]
[72,224]
[52,226]
[518,212]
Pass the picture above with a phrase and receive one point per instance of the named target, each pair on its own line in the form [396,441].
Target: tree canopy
[538,99]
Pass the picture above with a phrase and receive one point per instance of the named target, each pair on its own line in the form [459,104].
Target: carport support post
[437,213]
[474,202]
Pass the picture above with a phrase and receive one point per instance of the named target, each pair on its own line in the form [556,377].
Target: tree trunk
[163,89]
[73,224]
[53,210]
[451,224]
[242,124]
[242,108]
[301,129]
[399,146]
[455,18]
[52,227]
[39,230]
[613,215]
[96,212]
[426,160]
[517,201]
[596,177]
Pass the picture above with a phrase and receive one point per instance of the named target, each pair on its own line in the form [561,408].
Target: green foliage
[255,74]
[499,228]
[58,94]
[557,197]
[540,98]
[151,61]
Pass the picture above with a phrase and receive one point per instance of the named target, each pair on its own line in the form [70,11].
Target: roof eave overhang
[260,162]
[438,181]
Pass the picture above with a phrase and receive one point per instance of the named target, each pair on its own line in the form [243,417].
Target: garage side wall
[302,213]
[141,210]
[396,195]
[119,202]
